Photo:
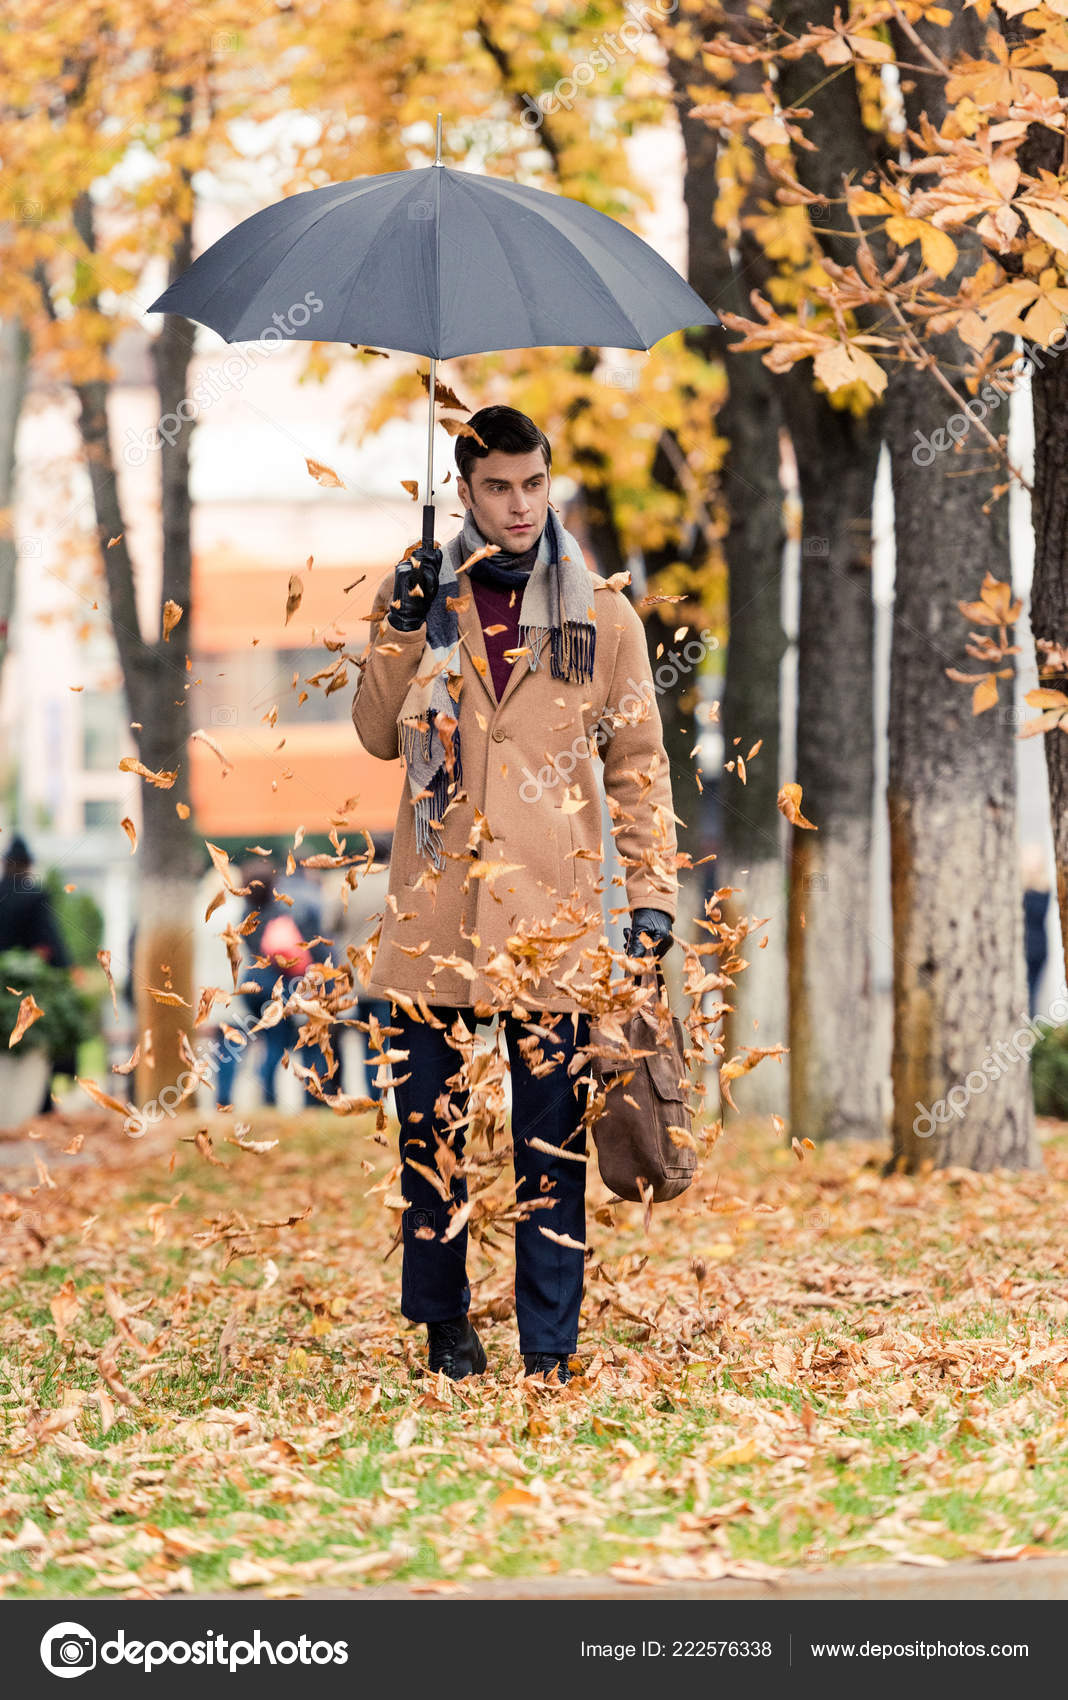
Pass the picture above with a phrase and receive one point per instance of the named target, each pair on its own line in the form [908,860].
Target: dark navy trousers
[549,1107]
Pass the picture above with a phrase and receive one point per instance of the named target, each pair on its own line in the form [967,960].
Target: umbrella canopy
[436,262]
[441,263]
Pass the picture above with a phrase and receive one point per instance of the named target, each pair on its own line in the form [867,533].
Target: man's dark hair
[502,428]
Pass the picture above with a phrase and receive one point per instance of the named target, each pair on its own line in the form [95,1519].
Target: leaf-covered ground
[797,1364]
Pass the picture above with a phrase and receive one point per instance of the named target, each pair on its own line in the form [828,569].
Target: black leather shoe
[543,1363]
[455,1348]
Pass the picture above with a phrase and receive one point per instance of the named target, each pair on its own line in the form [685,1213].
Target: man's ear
[463,490]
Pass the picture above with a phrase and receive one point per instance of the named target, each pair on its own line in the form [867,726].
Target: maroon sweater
[493,610]
[497,607]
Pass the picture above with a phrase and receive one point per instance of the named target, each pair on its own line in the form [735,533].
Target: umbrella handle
[428,525]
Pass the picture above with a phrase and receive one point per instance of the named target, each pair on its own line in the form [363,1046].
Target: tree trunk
[835,1070]
[14,363]
[1049,587]
[155,680]
[959,991]
[959,985]
[1049,512]
[751,856]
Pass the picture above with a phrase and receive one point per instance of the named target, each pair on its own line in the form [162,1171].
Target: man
[492,684]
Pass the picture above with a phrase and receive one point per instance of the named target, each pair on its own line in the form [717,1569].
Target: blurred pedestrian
[27,918]
[1035,878]
[351,928]
[28,922]
[211,967]
[279,952]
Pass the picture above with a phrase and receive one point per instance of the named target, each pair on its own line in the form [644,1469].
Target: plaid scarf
[556,604]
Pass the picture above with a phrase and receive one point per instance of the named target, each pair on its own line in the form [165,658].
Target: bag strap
[656,966]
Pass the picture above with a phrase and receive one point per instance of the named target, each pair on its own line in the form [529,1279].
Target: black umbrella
[436,262]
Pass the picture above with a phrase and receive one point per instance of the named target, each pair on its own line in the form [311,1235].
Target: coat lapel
[473,639]
[521,670]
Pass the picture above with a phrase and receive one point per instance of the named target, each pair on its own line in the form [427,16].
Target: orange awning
[236,599]
[306,783]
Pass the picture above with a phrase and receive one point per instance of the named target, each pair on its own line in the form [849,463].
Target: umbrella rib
[223,283]
[437,170]
[507,276]
[403,187]
[503,186]
[368,256]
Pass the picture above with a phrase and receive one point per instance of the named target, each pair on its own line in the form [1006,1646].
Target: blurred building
[289,753]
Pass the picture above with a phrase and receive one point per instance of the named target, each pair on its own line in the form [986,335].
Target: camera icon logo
[420,210]
[68,1649]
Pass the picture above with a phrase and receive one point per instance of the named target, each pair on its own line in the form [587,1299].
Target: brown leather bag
[644,1101]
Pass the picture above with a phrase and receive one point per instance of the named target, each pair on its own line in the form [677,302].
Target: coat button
[499,737]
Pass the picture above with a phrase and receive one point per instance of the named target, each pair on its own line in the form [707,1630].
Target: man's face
[508,496]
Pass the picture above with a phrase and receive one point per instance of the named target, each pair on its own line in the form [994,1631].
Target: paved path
[1024,1579]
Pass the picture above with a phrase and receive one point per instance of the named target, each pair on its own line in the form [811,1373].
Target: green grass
[697,1443]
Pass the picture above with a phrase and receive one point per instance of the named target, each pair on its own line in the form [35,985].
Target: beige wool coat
[506,921]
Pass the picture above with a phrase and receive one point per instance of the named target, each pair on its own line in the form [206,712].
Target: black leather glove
[415,586]
[654,922]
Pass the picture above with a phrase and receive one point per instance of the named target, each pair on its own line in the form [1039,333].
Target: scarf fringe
[417,742]
[571,649]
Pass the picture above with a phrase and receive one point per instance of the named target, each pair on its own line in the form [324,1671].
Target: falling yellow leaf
[324,475]
[295,597]
[412,488]
[460,428]
[104,959]
[130,1064]
[202,737]
[789,801]
[172,613]
[29,1012]
[104,1099]
[163,781]
[131,832]
[442,393]
[561,1239]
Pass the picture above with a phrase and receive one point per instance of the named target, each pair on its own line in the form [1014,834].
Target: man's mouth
[519,528]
